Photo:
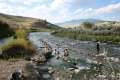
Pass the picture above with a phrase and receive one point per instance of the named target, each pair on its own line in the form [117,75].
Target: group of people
[57,52]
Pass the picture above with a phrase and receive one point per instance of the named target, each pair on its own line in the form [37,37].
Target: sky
[57,11]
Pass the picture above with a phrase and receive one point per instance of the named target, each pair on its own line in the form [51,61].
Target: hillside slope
[25,22]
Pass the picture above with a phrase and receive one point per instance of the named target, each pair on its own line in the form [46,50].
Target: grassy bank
[18,47]
[85,35]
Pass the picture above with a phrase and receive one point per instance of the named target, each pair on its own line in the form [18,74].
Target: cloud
[57,3]
[56,10]
[108,9]
[23,2]
[90,12]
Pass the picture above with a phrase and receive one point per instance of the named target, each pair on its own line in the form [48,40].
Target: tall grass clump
[21,33]
[17,48]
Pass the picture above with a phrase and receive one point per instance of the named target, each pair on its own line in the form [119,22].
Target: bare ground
[8,67]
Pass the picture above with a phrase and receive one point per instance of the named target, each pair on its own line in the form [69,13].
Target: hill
[74,23]
[25,22]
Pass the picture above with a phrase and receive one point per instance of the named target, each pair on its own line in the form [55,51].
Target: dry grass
[62,74]
[8,67]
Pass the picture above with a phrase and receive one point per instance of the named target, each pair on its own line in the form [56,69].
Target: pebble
[46,76]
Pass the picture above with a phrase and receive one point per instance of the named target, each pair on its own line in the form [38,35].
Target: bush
[5,30]
[17,48]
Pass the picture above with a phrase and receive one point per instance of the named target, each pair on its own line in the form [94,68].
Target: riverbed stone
[46,76]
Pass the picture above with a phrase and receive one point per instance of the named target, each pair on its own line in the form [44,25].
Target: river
[78,50]
[3,41]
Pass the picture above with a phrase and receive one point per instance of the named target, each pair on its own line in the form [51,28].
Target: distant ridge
[78,22]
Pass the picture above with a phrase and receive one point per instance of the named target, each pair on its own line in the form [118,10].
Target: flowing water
[3,41]
[79,51]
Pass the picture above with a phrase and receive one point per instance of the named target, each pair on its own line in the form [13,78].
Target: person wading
[98,47]
[66,54]
[55,52]
[46,46]
[58,54]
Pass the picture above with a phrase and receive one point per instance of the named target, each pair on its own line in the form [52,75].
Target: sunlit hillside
[25,22]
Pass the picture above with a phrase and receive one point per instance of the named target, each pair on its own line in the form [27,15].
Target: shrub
[5,30]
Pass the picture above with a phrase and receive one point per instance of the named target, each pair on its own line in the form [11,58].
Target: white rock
[101,76]
[46,76]
[77,71]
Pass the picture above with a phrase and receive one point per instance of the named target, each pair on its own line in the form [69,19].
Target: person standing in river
[66,54]
[54,52]
[46,46]
[98,47]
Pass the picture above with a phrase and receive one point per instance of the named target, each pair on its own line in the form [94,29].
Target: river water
[78,50]
[3,41]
